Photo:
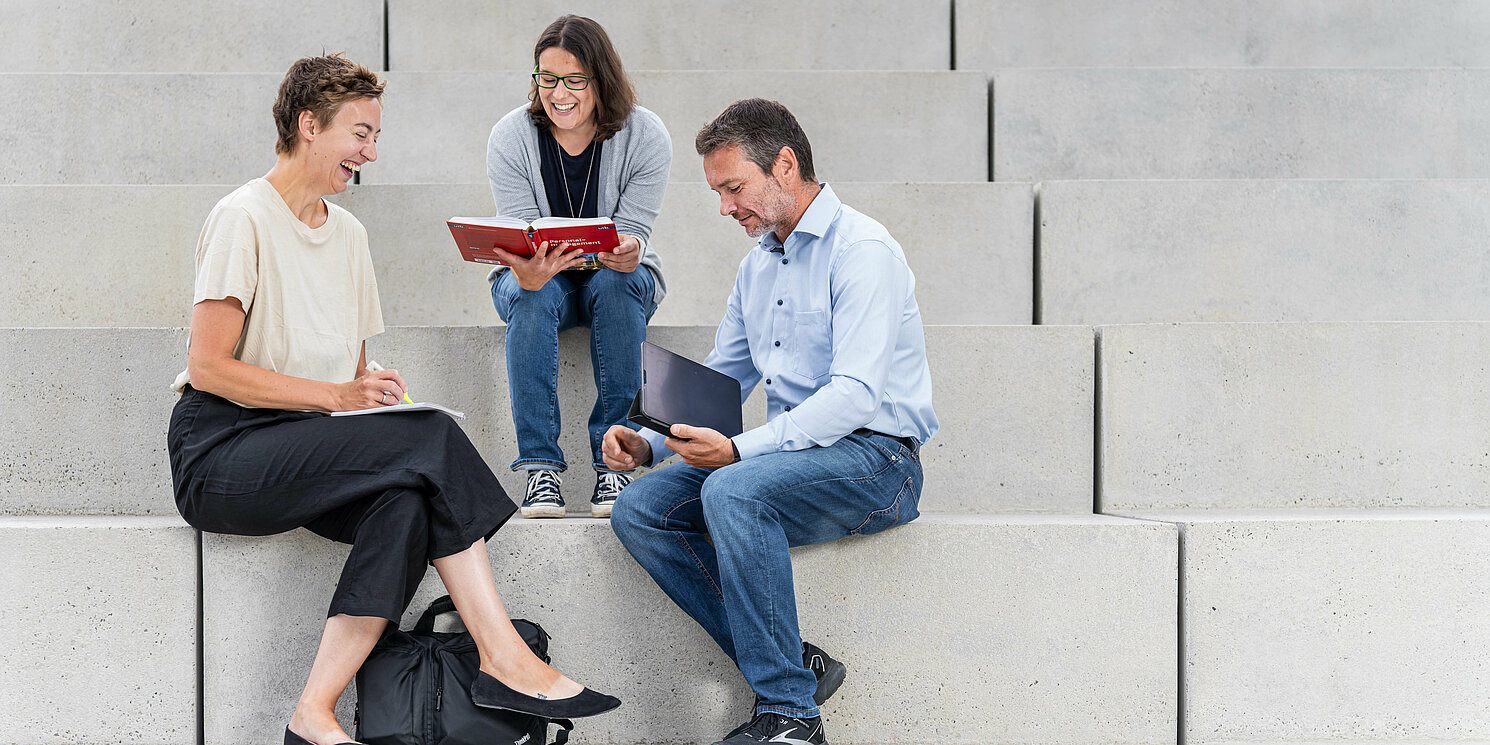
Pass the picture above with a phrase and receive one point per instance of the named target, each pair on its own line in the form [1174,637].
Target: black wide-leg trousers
[402,488]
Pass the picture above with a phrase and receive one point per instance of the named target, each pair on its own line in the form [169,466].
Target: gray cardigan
[634,165]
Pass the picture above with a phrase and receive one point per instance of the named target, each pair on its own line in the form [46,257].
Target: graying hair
[761,128]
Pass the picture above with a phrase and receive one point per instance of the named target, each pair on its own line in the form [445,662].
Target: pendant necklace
[565,173]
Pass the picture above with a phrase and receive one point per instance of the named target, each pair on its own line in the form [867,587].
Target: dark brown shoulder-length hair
[588,42]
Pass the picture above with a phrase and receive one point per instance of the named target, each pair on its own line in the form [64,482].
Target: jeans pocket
[901,510]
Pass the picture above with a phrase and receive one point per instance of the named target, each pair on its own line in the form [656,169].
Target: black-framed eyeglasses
[550,80]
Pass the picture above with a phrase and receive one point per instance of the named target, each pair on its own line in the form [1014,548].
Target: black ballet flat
[293,739]
[493,694]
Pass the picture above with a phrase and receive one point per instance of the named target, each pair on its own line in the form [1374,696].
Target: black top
[580,172]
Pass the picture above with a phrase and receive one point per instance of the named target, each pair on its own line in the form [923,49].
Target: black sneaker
[608,486]
[828,671]
[777,728]
[542,498]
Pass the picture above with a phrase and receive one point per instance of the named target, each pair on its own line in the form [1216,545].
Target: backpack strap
[562,736]
[426,624]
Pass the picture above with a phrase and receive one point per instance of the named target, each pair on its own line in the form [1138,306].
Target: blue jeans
[616,307]
[716,542]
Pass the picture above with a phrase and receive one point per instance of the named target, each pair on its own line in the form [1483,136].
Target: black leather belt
[909,442]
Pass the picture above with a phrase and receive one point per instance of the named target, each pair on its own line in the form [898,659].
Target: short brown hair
[761,128]
[588,42]
[319,85]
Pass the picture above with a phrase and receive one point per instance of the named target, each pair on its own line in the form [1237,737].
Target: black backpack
[415,689]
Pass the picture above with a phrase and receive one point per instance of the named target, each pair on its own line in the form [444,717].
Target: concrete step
[679,34]
[167,36]
[83,431]
[1340,626]
[1108,123]
[993,34]
[1155,251]
[970,245]
[1212,416]
[99,618]
[865,126]
[994,634]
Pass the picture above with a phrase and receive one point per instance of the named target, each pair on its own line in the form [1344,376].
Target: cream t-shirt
[309,293]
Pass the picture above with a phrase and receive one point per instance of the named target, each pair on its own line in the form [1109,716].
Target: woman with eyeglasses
[581,147]
[285,300]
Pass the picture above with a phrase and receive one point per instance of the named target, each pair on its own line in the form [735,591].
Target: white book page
[396,408]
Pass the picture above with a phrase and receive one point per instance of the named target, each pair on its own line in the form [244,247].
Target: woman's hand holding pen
[547,260]
[373,389]
[626,257]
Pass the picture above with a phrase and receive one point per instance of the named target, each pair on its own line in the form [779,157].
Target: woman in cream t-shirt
[285,300]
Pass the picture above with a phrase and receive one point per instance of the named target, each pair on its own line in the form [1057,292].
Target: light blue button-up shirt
[829,322]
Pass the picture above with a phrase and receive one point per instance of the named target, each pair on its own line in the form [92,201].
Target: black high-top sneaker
[770,727]
[608,486]
[542,498]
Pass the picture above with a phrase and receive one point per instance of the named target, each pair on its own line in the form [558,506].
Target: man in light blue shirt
[823,314]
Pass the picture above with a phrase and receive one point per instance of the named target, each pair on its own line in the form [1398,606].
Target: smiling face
[753,198]
[570,111]
[337,150]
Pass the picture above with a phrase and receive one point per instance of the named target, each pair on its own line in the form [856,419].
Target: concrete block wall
[1327,481]
[970,245]
[1218,416]
[1047,651]
[1261,250]
[1072,650]
[665,35]
[99,622]
[994,34]
[1203,123]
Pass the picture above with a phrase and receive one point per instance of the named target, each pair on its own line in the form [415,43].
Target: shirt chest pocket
[811,342]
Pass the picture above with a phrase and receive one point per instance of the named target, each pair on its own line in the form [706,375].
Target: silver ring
[384,399]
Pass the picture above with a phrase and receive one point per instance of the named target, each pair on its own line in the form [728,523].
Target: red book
[477,236]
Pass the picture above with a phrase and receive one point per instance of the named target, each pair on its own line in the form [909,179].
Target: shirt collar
[815,221]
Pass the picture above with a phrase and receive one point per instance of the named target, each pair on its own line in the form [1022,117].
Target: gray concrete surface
[970,245]
[1154,251]
[99,622]
[85,433]
[130,262]
[1340,626]
[167,36]
[1046,650]
[994,34]
[680,34]
[83,424]
[865,126]
[1237,123]
[1208,416]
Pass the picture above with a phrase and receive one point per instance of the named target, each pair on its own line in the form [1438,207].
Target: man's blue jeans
[716,542]
[616,307]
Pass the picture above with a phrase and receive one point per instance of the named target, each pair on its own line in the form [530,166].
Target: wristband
[735,448]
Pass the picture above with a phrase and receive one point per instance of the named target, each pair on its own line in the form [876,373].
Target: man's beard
[775,212]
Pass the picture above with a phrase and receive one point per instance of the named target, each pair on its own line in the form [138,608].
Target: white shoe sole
[542,510]
[601,510]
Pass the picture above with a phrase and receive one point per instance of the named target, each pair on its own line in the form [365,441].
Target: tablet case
[677,390]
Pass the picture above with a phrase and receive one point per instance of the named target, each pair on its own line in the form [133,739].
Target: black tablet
[677,390]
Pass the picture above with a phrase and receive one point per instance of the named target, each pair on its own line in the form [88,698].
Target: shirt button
[788,408]
[778,343]
[784,261]
[778,302]
[768,381]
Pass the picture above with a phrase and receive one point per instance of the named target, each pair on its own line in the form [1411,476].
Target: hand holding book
[548,259]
